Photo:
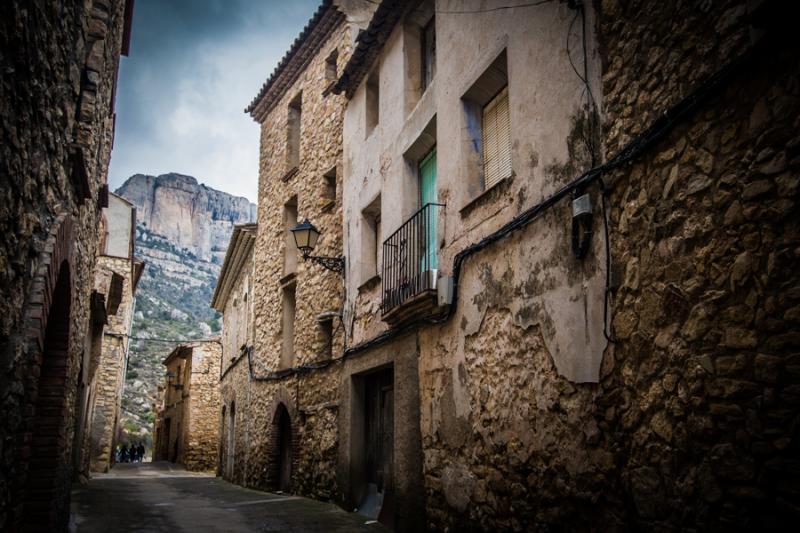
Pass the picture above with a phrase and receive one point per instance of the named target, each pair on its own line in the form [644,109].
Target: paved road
[150,497]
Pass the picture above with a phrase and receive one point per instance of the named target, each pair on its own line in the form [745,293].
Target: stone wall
[249,381]
[60,64]
[699,400]
[692,423]
[201,408]
[107,396]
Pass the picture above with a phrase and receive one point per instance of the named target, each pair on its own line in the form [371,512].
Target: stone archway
[283,426]
[230,460]
[282,456]
[47,488]
[223,444]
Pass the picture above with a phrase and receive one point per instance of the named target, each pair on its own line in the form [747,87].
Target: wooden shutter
[496,140]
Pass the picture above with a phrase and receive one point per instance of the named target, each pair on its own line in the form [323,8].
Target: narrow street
[150,497]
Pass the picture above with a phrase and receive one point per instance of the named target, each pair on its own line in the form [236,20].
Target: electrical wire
[475,11]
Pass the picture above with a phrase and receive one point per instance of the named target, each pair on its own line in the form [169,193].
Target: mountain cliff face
[188,214]
[182,232]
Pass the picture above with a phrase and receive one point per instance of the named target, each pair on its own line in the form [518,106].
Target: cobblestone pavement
[150,497]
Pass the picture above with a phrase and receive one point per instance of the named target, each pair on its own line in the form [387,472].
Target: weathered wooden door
[285,451]
[379,435]
[427,195]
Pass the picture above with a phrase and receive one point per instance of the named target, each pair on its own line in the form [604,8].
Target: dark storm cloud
[193,67]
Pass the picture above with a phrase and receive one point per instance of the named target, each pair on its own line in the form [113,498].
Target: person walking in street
[140,451]
[133,453]
[123,454]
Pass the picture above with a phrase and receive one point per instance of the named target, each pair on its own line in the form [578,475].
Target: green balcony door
[427,193]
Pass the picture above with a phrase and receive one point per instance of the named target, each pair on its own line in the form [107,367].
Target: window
[372,101]
[330,67]
[290,249]
[289,305]
[496,140]
[428,53]
[329,186]
[371,248]
[325,336]
[293,133]
[486,130]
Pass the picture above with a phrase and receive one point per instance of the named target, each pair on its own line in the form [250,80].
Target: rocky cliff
[189,214]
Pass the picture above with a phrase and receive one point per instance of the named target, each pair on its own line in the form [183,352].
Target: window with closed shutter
[496,140]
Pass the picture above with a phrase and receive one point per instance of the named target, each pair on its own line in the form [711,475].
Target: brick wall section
[311,399]
[60,62]
[693,422]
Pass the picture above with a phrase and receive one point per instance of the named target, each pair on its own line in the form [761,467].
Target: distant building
[233,297]
[117,273]
[187,422]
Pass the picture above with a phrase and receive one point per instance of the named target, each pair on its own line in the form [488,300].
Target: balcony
[410,266]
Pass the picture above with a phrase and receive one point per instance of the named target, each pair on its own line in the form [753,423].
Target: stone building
[233,297]
[119,270]
[187,422]
[279,418]
[60,65]
[571,261]
[456,124]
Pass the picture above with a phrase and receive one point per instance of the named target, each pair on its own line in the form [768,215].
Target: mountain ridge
[189,213]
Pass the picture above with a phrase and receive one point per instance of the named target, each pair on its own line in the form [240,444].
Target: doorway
[377,491]
[427,195]
[231,441]
[46,484]
[283,425]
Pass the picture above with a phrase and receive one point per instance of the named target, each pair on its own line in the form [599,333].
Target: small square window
[372,101]
[428,53]
[330,67]
[293,132]
[496,134]
[329,186]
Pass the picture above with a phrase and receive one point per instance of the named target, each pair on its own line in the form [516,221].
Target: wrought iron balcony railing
[410,262]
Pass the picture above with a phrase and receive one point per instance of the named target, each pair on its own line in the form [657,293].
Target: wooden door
[427,194]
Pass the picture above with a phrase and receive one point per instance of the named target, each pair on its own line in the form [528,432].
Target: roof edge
[325,10]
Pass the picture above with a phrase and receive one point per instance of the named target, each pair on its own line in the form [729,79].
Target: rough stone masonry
[59,62]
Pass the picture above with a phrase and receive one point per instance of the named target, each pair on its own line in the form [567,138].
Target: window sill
[287,279]
[328,88]
[489,195]
[370,284]
[327,206]
[290,174]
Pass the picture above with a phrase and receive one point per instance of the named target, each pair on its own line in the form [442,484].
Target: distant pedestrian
[133,453]
[140,452]
[124,454]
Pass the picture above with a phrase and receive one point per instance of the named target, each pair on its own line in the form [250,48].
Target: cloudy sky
[194,65]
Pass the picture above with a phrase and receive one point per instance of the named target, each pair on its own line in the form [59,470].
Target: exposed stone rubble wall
[187,421]
[202,408]
[107,397]
[59,63]
[311,400]
[693,422]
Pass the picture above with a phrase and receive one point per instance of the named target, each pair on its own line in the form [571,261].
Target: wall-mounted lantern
[305,238]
